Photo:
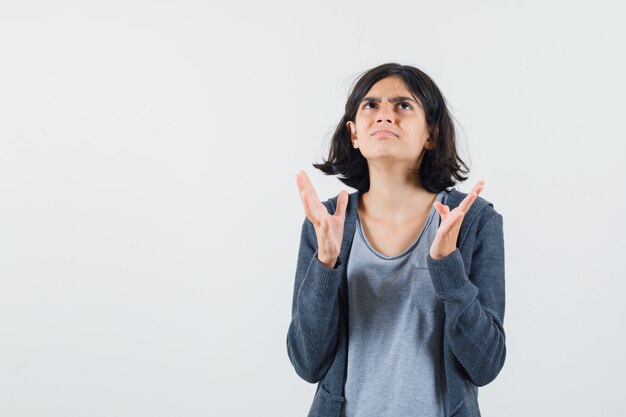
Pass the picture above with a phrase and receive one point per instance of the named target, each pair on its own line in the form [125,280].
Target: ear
[351,126]
[430,144]
[433,132]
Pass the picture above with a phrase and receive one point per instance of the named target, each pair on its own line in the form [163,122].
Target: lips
[383,132]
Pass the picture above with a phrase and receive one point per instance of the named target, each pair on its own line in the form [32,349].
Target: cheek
[361,126]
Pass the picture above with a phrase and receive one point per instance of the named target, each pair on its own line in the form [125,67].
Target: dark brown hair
[440,168]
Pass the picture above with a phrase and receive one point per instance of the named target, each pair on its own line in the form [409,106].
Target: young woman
[398,301]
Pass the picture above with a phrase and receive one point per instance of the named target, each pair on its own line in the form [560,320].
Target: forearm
[312,335]
[329,262]
[475,307]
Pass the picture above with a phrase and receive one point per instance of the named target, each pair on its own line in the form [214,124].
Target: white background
[150,218]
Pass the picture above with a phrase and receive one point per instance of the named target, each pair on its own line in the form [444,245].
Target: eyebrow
[393,99]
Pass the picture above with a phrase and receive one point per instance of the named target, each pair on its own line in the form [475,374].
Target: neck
[395,195]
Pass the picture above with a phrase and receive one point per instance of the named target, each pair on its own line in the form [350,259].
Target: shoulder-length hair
[440,168]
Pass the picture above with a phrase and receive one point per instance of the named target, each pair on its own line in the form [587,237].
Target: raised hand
[445,240]
[328,228]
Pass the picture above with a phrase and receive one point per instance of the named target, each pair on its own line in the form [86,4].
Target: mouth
[384,133]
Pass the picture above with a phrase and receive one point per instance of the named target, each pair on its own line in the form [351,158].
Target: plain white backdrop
[149,214]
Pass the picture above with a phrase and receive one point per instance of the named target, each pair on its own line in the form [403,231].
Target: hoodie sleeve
[474,304]
[312,334]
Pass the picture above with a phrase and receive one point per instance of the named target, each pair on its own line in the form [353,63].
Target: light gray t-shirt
[395,359]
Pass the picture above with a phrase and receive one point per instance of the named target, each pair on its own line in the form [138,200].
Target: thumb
[342,203]
[441,208]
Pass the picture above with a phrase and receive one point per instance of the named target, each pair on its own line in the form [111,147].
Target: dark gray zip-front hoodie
[469,282]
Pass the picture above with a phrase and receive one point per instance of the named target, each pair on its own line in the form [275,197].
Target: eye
[403,103]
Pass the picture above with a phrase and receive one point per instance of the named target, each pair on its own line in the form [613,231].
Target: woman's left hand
[448,232]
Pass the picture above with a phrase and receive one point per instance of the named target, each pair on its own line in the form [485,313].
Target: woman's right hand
[328,228]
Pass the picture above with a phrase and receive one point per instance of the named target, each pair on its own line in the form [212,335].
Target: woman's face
[390,106]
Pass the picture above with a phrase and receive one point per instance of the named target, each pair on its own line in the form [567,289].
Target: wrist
[441,253]
[328,261]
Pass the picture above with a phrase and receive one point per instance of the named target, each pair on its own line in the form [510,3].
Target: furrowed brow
[393,99]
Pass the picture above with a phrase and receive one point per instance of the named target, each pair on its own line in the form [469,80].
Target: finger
[342,203]
[298,182]
[301,191]
[441,208]
[453,220]
[471,196]
[306,184]
[313,208]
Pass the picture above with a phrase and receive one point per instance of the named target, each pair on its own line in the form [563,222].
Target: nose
[385,113]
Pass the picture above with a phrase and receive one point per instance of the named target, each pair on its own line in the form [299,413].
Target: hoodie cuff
[321,280]
[447,273]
